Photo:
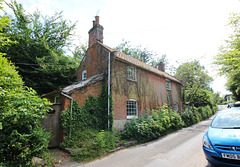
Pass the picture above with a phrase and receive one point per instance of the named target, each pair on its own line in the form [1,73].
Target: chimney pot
[95,33]
[97,19]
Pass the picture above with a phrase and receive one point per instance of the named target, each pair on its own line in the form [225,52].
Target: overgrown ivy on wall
[93,115]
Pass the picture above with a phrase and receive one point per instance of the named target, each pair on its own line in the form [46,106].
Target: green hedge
[192,115]
[21,112]
[149,127]
[163,121]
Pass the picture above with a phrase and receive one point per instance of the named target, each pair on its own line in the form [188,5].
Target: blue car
[221,143]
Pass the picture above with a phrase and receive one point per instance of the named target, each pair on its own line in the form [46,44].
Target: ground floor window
[132,109]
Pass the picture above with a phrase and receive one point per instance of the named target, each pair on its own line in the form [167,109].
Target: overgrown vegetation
[42,48]
[87,128]
[89,144]
[192,115]
[148,127]
[21,111]
[21,133]
[93,115]
[164,121]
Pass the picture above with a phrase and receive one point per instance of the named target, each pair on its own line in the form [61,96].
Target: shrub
[21,133]
[90,144]
[149,127]
[93,115]
[192,115]
[87,126]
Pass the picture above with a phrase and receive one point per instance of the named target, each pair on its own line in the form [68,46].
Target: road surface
[180,149]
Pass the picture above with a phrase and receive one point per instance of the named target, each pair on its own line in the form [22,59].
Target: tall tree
[142,54]
[40,54]
[196,83]
[21,111]
[228,59]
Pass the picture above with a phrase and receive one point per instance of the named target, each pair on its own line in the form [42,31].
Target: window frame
[132,77]
[168,85]
[136,108]
[56,99]
[84,74]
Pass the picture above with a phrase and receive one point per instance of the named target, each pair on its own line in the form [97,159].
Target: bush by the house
[89,144]
[86,128]
[93,115]
[21,111]
[149,127]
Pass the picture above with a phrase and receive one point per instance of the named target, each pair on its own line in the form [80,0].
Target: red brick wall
[95,61]
[82,94]
[149,90]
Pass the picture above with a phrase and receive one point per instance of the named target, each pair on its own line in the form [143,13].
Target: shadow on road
[211,165]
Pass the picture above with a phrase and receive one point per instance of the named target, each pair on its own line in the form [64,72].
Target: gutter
[70,111]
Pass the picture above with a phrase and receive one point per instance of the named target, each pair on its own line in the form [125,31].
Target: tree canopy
[21,111]
[136,52]
[196,83]
[144,55]
[40,53]
[228,59]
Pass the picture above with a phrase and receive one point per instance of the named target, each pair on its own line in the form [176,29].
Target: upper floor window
[132,109]
[131,73]
[168,85]
[56,99]
[84,75]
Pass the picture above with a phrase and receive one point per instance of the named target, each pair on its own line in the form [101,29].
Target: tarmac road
[182,149]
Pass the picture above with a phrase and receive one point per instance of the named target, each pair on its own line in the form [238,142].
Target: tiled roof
[140,64]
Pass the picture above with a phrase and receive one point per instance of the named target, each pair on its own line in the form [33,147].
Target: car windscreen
[227,120]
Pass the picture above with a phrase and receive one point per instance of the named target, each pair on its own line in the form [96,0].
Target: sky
[184,30]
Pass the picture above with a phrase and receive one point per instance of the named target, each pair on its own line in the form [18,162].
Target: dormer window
[131,74]
[84,75]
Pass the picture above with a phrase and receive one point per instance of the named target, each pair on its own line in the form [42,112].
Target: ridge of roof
[145,66]
[139,63]
[107,47]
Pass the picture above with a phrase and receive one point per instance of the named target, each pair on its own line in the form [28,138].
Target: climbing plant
[93,115]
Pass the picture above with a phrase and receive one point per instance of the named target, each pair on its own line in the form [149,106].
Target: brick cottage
[135,86]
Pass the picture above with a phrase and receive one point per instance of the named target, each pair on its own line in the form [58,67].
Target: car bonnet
[219,136]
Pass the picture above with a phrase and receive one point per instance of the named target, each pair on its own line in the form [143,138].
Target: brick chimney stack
[95,33]
[161,66]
